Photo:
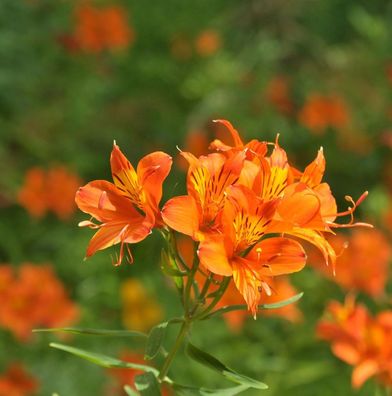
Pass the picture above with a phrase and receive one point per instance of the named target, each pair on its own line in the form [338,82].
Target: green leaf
[147,385]
[154,340]
[214,364]
[102,360]
[190,390]
[282,303]
[95,332]
[243,307]
[129,391]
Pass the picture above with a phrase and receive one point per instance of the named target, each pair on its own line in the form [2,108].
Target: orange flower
[363,263]
[26,304]
[360,340]
[51,190]
[140,310]
[16,381]
[277,93]
[98,29]
[207,42]
[239,251]
[320,112]
[128,209]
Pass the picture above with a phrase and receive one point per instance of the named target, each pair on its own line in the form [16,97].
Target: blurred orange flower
[128,208]
[140,310]
[320,112]
[208,42]
[360,340]
[102,28]
[51,190]
[278,94]
[16,381]
[363,262]
[33,298]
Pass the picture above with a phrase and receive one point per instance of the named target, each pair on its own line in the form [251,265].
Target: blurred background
[75,75]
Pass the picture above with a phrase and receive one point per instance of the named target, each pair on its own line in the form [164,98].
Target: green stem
[218,296]
[189,284]
[169,359]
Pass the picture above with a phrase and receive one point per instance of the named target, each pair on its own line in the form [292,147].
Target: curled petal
[314,172]
[234,133]
[317,240]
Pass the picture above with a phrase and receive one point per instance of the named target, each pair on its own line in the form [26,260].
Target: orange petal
[182,214]
[346,352]
[314,172]
[328,208]
[125,177]
[317,240]
[104,201]
[213,254]
[364,371]
[301,207]
[247,282]
[152,170]
[234,133]
[112,233]
[277,256]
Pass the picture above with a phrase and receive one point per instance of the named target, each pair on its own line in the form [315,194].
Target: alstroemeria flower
[207,180]
[128,209]
[240,250]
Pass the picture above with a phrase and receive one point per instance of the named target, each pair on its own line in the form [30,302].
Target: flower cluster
[52,190]
[16,381]
[33,298]
[246,208]
[360,340]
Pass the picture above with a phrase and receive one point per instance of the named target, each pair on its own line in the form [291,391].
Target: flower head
[16,381]
[128,208]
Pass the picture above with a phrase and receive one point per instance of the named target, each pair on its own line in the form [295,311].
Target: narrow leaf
[95,332]
[147,385]
[102,360]
[244,307]
[154,340]
[211,362]
[191,391]
[282,303]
